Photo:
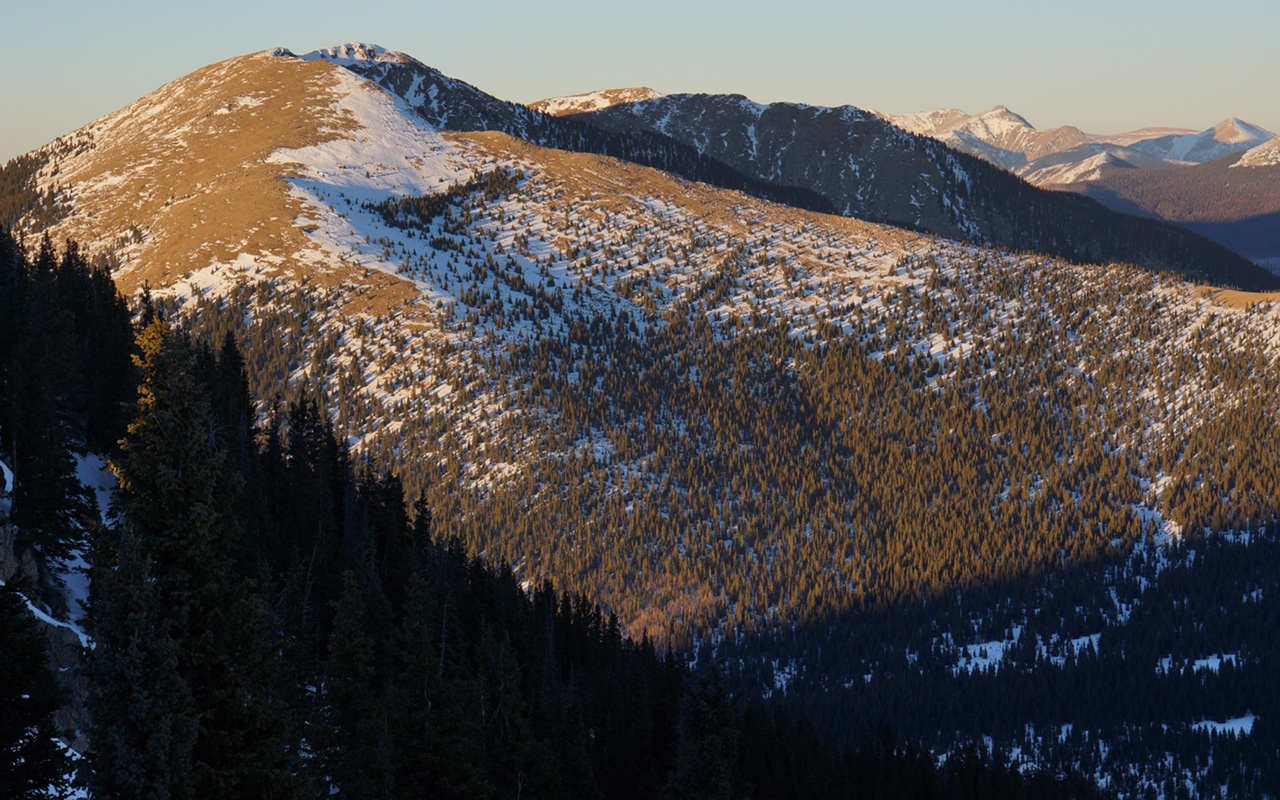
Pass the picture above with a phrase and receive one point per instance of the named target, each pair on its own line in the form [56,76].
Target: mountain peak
[1234,131]
[593,101]
[1003,112]
[351,52]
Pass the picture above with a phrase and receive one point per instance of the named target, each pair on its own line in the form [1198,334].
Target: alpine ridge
[927,473]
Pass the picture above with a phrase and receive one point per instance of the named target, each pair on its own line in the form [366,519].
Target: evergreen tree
[31,763]
[50,507]
[358,741]
[144,720]
[708,741]
[210,637]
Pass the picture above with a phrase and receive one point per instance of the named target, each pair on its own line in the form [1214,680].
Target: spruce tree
[31,763]
[210,637]
[707,751]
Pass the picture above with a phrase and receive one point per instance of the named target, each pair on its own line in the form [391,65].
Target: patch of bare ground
[1233,298]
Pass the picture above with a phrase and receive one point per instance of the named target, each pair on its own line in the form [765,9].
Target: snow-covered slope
[1067,155]
[998,135]
[1228,137]
[592,101]
[1266,154]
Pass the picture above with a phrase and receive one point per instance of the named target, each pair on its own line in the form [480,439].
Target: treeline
[21,200]
[418,211]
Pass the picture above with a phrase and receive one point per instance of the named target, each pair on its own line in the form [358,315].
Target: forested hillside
[270,619]
[1238,206]
[873,475]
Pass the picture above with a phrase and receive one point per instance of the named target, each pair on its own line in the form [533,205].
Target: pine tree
[210,637]
[31,763]
[144,720]
[708,741]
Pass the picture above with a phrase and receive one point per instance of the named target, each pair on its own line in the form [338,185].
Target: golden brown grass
[187,167]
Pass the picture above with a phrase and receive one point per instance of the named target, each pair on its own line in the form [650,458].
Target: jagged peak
[351,52]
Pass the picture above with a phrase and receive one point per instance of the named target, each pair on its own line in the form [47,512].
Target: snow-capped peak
[1235,131]
[350,52]
[593,101]
[1003,114]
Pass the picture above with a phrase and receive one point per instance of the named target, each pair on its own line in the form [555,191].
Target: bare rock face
[17,564]
[67,658]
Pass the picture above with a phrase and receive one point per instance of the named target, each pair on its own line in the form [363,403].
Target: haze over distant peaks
[1067,155]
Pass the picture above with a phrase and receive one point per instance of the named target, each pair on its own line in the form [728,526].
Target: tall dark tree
[708,742]
[31,763]
[211,635]
[50,506]
[144,719]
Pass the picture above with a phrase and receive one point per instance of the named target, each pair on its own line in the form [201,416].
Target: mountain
[1168,174]
[1007,140]
[1234,200]
[865,167]
[592,101]
[877,474]
[999,135]
[1228,137]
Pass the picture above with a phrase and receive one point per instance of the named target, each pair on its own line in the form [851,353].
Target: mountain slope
[868,168]
[846,459]
[1227,138]
[1235,200]
[592,101]
[872,172]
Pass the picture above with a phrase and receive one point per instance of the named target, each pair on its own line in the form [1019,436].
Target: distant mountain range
[1068,155]
[840,158]
[1180,176]
[866,167]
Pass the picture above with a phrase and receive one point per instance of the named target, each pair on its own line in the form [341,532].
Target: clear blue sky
[1104,66]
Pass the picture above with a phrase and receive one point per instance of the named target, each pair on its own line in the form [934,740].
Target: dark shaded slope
[451,104]
[1235,206]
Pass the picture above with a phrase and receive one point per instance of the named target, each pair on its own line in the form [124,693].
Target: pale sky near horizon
[1103,65]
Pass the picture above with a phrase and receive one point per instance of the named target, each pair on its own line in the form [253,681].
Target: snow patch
[94,475]
[1240,726]
[352,53]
